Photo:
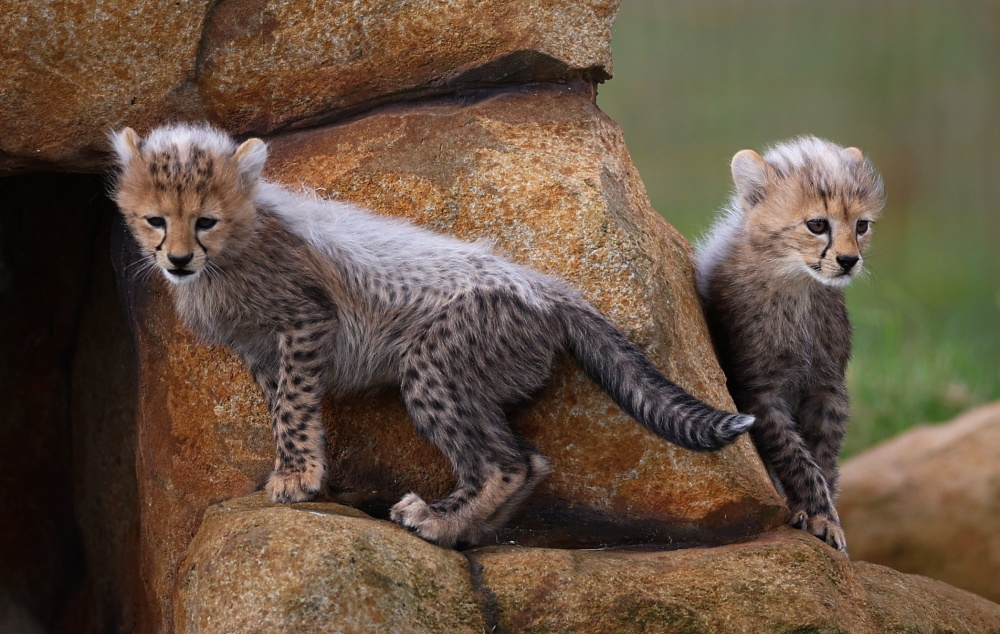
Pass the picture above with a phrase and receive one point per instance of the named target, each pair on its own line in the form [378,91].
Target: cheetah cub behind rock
[317,295]
[771,273]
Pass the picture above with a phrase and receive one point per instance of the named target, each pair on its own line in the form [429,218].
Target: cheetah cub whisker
[318,296]
[771,273]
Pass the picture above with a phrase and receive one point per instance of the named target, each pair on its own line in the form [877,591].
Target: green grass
[916,85]
[913,364]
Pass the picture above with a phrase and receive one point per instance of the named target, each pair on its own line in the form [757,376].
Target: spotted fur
[318,295]
[770,273]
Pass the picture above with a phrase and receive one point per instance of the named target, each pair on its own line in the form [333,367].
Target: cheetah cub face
[187,198]
[811,215]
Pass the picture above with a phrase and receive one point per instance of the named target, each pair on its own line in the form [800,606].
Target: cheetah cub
[771,273]
[317,295]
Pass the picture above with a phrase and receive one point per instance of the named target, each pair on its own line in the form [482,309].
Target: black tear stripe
[829,243]
[160,246]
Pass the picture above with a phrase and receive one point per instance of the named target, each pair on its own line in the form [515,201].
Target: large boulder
[928,502]
[312,567]
[74,70]
[543,173]
[308,567]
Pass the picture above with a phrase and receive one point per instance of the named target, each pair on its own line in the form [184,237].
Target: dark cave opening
[66,440]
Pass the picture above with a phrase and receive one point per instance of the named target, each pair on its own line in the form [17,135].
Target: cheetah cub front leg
[300,466]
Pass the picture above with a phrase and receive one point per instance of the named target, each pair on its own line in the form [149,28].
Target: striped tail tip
[740,423]
[732,427]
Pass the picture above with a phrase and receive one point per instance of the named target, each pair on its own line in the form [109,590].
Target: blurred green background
[916,85]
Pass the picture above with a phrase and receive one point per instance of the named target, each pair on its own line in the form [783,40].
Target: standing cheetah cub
[770,274]
[318,295]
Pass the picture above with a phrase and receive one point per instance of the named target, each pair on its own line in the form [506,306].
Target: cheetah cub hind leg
[539,468]
[470,513]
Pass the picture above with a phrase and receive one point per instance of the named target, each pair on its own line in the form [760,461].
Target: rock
[337,56]
[782,582]
[546,175]
[201,434]
[313,567]
[253,66]
[309,567]
[926,502]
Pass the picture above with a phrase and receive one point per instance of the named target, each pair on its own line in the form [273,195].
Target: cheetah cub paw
[413,513]
[824,527]
[287,485]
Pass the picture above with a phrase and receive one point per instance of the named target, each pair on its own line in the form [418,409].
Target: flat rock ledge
[319,567]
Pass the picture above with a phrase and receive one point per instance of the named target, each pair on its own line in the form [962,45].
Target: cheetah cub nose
[847,262]
[181,260]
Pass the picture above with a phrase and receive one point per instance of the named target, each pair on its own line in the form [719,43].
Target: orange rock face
[74,70]
[307,568]
[545,175]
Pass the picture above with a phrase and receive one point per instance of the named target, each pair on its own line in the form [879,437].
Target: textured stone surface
[73,70]
[310,567]
[546,175]
[337,55]
[787,581]
[318,567]
[928,502]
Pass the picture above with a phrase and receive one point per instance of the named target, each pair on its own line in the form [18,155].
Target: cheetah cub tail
[634,383]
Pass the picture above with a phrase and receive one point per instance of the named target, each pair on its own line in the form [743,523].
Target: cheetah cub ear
[854,154]
[750,176]
[125,145]
[250,159]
